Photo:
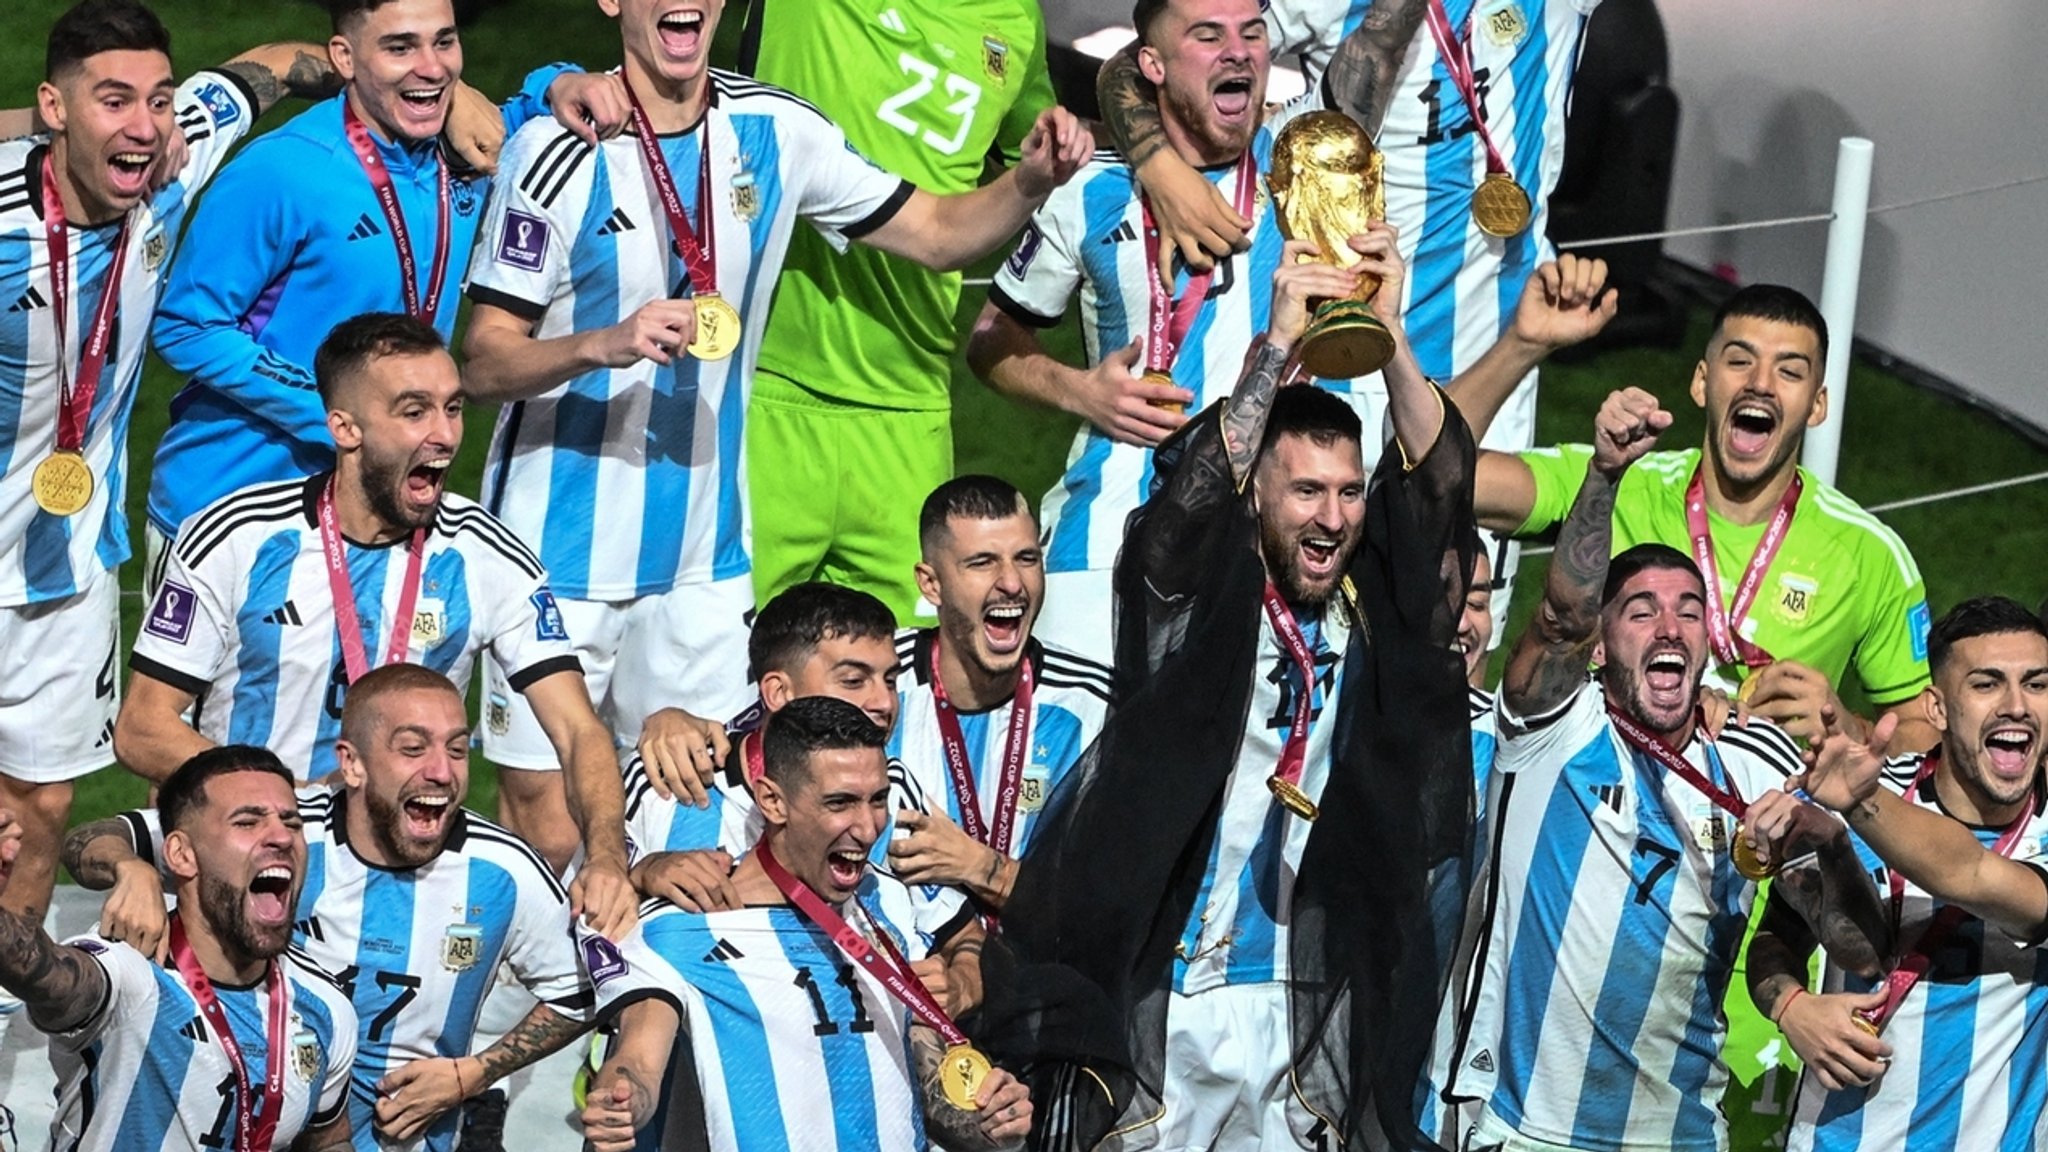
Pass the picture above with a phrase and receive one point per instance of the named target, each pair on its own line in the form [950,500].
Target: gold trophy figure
[1326,184]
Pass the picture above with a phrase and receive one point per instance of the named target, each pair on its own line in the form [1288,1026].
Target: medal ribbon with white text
[354,654]
[1455,51]
[76,391]
[892,970]
[1724,625]
[394,219]
[254,1127]
[1016,745]
[1170,318]
[1726,799]
[1294,752]
[697,245]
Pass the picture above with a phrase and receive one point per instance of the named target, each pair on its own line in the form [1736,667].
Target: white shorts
[685,648]
[1227,1080]
[59,687]
[1079,611]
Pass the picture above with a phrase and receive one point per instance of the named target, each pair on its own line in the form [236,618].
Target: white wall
[1955,95]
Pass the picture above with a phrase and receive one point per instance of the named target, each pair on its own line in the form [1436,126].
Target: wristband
[1785,1003]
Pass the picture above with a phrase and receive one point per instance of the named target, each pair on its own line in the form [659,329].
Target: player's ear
[1935,707]
[776,690]
[50,106]
[348,435]
[1599,654]
[1150,66]
[928,583]
[180,859]
[609,8]
[349,764]
[1820,407]
[343,56]
[772,801]
[1699,383]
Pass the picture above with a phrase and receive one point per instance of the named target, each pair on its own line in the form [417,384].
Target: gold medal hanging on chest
[62,483]
[718,328]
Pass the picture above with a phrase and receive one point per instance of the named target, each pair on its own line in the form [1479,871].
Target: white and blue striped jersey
[144,1072]
[45,557]
[1969,1065]
[1613,934]
[1089,237]
[1237,930]
[732,823]
[244,615]
[416,950]
[1069,699]
[1462,283]
[632,480]
[796,1047]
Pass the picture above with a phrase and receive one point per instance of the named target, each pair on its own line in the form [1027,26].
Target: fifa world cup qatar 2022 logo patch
[170,617]
[602,959]
[524,243]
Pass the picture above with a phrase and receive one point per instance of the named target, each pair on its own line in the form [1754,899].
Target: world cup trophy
[1325,178]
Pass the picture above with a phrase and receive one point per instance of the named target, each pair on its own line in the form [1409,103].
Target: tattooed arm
[622,1095]
[1821,1027]
[413,1096]
[101,856]
[1824,882]
[1196,223]
[1549,661]
[1361,74]
[1002,1119]
[274,71]
[60,984]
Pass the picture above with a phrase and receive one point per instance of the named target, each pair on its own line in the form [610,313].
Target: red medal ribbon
[697,245]
[892,970]
[751,756]
[1726,799]
[74,403]
[1724,627]
[961,770]
[1916,963]
[353,649]
[1456,53]
[254,1127]
[394,218]
[1171,318]
[1294,752]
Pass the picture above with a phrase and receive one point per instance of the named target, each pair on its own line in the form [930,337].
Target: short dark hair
[91,27]
[356,341]
[342,12]
[792,625]
[1306,410]
[1982,616]
[1779,303]
[812,724]
[360,704]
[184,792]
[1645,558]
[971,497]
[1143,14]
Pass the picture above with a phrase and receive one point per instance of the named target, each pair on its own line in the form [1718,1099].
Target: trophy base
[1345,340]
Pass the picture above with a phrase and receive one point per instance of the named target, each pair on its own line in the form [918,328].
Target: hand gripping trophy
[1325,178]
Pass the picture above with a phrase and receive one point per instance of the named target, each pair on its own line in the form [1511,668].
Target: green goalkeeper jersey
[1842,592]
[930,90]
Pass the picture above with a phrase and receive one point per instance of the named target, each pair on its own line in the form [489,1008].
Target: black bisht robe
[1077,979]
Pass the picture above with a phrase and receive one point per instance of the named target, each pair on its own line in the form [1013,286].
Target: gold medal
[1499,206]
[1745,858]
[62,483]
[961,1071]
[1866,1023]
[1292,798]
[718,328]
[1165,381]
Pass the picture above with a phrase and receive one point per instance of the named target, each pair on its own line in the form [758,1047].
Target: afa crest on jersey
[1795,597]
[746,199]
[995,58]
[305,1051]
[155,247]
[429,623]
[1031,792]
[462,947]
[1504,24]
